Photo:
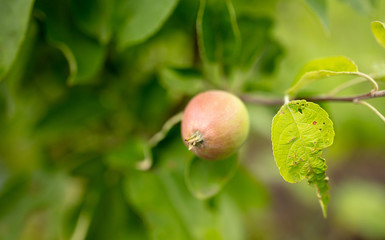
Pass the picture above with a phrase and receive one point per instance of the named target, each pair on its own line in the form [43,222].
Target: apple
[215,124]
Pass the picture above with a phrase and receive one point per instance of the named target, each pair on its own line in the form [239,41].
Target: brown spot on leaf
[314,123]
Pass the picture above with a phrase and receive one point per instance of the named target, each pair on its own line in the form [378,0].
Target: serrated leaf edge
[310,172]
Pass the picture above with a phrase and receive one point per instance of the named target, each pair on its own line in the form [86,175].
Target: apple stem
[194,140]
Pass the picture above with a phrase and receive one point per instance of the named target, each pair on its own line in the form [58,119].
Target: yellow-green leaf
[378,29]
[322,68]
[300,131]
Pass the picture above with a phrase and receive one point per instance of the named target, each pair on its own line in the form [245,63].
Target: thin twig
[261,100]
[253,99]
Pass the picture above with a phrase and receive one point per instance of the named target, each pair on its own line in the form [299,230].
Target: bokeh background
[92,82]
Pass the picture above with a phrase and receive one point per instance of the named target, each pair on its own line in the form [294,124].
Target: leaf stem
[159,136]
[346,85]
[372,108]
[286,99]
[369,78]
[352,82]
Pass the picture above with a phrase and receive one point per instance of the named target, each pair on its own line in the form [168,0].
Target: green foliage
[378,29]
[300,131]
[320,8]
[180,82]
[85,57]
[133,154]
[131,22]
[164,202]
[363,7]
[91,96]
[144,19]
[14,18]
[255,37]
[206,178]
[95,18]
[221,45]
[322,68]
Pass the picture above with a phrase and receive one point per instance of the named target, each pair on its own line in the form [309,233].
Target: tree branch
[254,99]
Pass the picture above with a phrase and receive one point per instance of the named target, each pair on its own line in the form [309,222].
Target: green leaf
[320,8]
[160,197]
[85,56]
[131,22]
[362,6]
[94,17]
[256,7]
[113,218]
[378,29]
[255,39]
[16,73]
[217,221]
[77,108]
[300,131]
[206,178]
[247,191]
[322,68]
[14,17]
[142,20]
[147,194]
[218,33]
[180,82]
[134,154]
[26,197]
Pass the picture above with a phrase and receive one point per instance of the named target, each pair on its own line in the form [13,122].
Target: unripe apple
[215,124]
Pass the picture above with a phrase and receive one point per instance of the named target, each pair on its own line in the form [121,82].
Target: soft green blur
[94,80]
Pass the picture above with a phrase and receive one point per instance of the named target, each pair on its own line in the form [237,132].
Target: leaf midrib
[300,137]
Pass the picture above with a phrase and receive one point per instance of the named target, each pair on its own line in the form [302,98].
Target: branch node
[286,99]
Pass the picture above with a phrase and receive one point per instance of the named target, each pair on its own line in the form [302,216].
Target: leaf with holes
[300,131]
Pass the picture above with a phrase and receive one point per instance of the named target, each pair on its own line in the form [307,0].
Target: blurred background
[87,84]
